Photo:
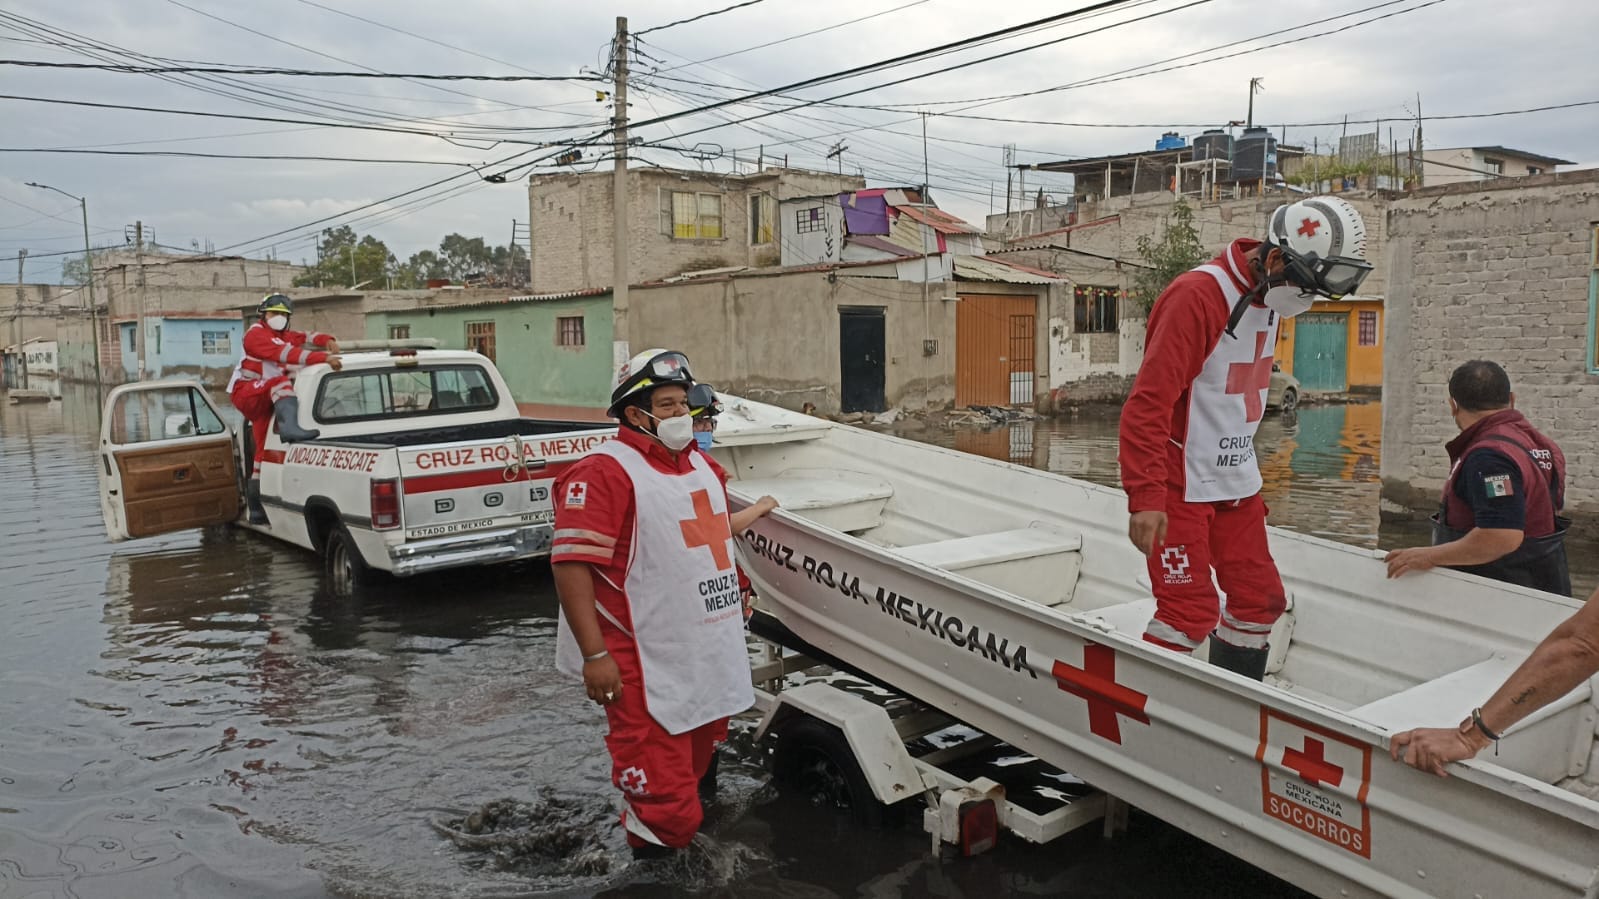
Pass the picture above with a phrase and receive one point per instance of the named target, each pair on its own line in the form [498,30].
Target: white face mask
[277,322]
[674,433]
[1288,301]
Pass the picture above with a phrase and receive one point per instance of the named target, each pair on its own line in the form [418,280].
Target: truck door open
[167,461]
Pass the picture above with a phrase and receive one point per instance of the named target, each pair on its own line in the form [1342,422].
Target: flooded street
[195,716]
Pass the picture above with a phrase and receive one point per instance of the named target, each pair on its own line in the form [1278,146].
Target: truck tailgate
[456,488]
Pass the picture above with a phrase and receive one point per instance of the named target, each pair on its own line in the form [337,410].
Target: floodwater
[193,716]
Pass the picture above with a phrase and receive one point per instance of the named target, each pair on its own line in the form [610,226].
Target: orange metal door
[994,350]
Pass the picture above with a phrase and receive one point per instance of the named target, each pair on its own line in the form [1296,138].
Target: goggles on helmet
[702,402]
[1334,277]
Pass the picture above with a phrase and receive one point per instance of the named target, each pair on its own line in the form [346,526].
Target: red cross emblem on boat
[1312,764]
[1095,682]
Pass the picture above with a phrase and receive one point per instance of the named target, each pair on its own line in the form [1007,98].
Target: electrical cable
[706,15]
[233,156]
[220,69]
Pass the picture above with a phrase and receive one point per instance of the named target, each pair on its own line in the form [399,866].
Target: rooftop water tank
[1171,140]
[1255,155]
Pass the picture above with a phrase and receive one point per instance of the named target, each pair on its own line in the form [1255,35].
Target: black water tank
[1255,155]
[1214,144]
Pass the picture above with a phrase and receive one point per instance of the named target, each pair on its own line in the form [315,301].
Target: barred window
[569,330]
[216,343]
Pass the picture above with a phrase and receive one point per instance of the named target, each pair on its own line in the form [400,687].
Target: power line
[265,70]
[705,15]
[790,38]
[253,118]
[231,156]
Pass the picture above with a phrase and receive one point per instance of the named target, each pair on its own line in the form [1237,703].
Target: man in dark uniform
[1500,515]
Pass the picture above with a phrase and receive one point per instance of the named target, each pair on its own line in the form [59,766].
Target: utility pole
[1254,88]
[138,255]
[21,360]
[351,250]
[1418,163]
[88,264]
[619,205]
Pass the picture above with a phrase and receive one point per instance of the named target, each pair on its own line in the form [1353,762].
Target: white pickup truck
[423,463]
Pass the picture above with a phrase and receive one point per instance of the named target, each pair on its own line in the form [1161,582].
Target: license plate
[445,530]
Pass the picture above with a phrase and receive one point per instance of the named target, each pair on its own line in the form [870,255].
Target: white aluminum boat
[1011,599]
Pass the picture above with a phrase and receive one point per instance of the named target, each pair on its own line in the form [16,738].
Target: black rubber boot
[287,411]
[252,501]
[708,782]
[1251,663]
[650,851]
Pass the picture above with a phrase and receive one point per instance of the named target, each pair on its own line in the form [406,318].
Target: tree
[1177,251]
[464,256]
[345,259]
[75,271]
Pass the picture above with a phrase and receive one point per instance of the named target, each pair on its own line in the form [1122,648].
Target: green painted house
[553,349]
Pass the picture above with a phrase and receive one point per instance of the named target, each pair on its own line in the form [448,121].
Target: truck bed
[524,427]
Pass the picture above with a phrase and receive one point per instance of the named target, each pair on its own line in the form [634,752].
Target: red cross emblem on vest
[708,528]
[1252,378]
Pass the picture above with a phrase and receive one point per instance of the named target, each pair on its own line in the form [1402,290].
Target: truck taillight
[385,504]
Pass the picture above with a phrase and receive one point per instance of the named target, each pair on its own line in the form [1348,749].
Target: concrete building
[552,349]
[1452,166]
[1506,270]
[682,221]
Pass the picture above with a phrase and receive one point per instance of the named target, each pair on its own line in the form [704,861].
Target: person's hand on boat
[1147,531]
[603,680]
[765,504]
[1405,561]
[1433,748]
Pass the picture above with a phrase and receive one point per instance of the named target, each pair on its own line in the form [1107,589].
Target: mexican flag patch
[1497,485]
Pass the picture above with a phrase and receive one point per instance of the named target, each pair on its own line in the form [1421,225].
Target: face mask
[674,433]
[1288,301]
[277,322]
[703,438]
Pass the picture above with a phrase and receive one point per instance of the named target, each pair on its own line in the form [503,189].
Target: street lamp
[88,263]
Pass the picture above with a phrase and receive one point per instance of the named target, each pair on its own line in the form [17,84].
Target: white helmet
[647,371]
[1323,241]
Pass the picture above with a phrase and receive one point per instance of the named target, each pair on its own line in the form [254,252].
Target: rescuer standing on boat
[1500,514]
[651,613]
[1188,428]
[263,384]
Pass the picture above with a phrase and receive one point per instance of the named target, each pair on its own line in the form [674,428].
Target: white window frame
[704,226]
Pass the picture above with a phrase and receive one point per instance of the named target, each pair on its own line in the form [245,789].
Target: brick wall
[1494,270]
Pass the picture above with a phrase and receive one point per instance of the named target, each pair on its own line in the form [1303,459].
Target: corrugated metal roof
[512,300]
[981,268]
[938,219]
[881,244]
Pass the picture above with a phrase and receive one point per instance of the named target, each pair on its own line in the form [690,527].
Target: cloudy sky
[1462,57]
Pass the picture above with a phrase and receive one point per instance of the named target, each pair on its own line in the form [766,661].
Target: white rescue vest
[1226,403]
[269,368]
[683,595]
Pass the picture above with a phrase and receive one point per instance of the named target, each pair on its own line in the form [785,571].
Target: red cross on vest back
[1309,227]
[1095,683]
[1250,378]
[708,528]
[1312,764]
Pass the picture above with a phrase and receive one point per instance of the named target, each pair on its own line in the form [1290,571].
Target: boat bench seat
[1543,739]
[1036,563]
[853,504]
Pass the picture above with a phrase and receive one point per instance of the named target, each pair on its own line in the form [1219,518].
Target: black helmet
[702,402]
[645,372]
[275,302]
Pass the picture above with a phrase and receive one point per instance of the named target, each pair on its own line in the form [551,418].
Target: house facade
[682,220]
[1459,164]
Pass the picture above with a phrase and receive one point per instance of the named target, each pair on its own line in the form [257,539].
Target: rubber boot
[252,500]
[708,781]
[650,852]
[287,411]
[1251,663]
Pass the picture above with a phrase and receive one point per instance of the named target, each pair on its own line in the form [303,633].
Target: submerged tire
[814,760]
[347,571]
[1290,400]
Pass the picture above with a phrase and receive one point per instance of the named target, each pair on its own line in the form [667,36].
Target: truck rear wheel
[814,760]
[347,571]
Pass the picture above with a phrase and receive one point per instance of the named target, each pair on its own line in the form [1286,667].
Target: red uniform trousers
[1230,537]
[659,773]
[254,400]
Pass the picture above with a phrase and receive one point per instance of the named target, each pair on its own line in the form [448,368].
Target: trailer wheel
[347,571]
[814,760]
